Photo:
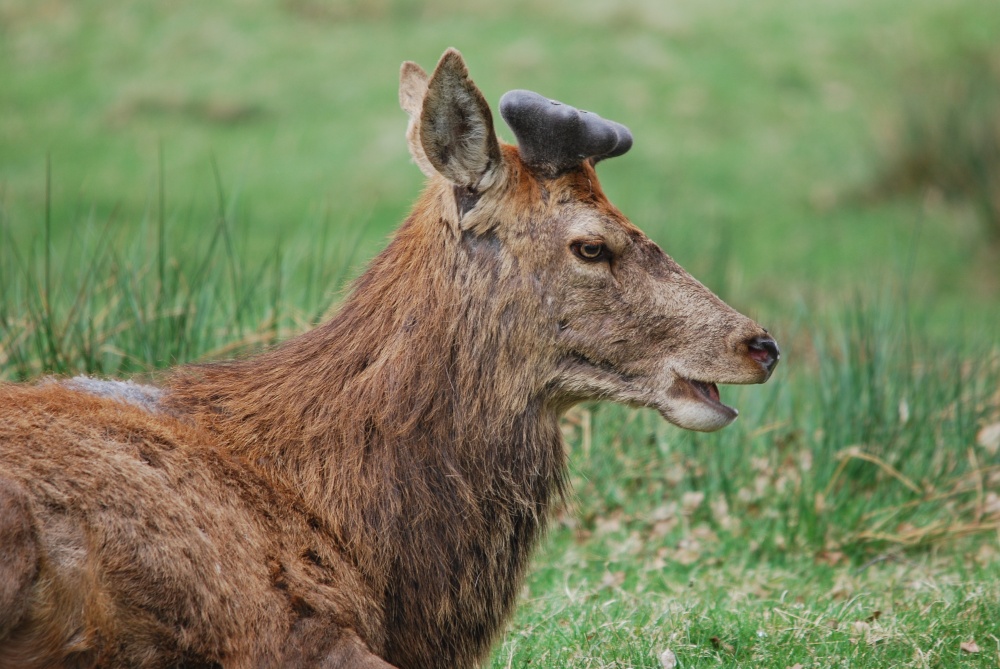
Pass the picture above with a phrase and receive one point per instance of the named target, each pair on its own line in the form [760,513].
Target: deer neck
[424,384]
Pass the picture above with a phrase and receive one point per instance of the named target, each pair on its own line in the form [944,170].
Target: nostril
[765,351]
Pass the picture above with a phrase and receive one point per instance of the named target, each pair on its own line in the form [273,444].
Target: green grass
[201,180]
[759,130]
[731,613]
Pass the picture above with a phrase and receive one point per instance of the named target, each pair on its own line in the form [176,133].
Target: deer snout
[764,351]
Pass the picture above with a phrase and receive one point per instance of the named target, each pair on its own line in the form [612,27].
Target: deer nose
[765,351]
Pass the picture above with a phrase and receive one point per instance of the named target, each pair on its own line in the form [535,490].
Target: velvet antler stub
[554,137]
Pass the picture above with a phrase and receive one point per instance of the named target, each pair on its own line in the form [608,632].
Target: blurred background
[786,153]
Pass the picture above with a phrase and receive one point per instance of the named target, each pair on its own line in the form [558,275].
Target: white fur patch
[143,396]
[700,416]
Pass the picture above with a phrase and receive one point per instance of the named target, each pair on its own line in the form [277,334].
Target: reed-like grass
[122,300]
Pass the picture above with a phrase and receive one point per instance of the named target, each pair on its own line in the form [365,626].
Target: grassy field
[194,180]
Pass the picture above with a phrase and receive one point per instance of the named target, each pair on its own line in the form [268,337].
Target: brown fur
[370,491]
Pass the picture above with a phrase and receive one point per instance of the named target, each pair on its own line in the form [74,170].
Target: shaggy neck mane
[412,423]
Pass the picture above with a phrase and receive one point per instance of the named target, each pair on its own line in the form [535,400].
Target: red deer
[368,493]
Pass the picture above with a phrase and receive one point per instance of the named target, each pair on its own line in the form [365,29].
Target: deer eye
[590,251]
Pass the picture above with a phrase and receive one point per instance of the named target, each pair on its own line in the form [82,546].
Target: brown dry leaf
[720,511]
[991,505]
[805,459]
[873,617]
[688,552]
[989,438]
[719,644]
[820,503]
[762,465]
[761,483]
[860,631]
[986,554]
[830,557]
[662,528]
[705,533]
[691,501]
[843,588]
[675,474]
[609,525]
[969,647]
[666,511]
[612,579]
[668,660]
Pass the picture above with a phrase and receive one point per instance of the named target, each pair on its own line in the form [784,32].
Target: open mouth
[704,410]
[709,391]
[685,402]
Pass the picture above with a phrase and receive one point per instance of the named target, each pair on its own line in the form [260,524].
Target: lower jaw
[700,420]
[700,410]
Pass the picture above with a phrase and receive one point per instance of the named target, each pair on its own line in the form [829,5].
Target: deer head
[607,313]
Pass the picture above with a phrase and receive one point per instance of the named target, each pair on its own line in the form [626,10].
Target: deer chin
[695,405]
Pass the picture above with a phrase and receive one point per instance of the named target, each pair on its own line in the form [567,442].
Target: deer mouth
[696,405]
[688,403]
[708,390]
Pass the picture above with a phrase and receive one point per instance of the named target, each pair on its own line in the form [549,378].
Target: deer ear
[412,90]
[456,127]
